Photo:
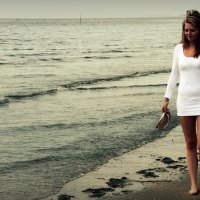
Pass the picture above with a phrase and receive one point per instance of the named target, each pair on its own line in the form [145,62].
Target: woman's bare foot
[194,191]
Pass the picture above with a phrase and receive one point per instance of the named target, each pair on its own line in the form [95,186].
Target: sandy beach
[156,170]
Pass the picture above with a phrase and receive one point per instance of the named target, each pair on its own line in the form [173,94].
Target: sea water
[75,94]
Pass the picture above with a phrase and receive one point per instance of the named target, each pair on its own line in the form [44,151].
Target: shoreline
[159,162]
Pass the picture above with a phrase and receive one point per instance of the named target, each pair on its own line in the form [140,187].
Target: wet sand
[156,170]
[176,190]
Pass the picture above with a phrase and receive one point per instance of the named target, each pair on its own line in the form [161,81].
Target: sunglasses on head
[190,12]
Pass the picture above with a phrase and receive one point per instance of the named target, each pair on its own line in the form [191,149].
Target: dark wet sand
[175,190]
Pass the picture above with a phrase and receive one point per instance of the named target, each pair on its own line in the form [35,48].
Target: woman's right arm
[173,79]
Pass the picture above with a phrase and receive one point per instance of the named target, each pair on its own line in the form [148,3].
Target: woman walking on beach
[186,69]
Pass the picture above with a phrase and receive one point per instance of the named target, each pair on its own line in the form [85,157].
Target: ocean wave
[57,59]
[48,59]
[56,126]
[33,75]
[85,85]
[11,55]
[97,123]
[113,51]
[27,164]
[116,87]
[109,51]
[23,96]
[97,57]
[62,126]
[33,54]
[115,78]
[4,63]
[144,94]
[4,101]
[43,59]
[106,57]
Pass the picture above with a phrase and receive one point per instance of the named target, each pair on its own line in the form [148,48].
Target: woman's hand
[165,105]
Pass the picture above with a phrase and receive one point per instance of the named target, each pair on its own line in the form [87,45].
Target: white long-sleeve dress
[186,70]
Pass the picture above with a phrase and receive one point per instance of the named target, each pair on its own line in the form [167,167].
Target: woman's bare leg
[188,124]
[198,136]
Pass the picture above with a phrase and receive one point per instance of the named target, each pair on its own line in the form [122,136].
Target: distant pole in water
[80,19]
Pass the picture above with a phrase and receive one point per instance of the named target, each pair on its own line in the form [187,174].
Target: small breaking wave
[97,57]
[4,101]
[115,78]
[28,164]
[4,63]
[61,126]
[116,87]
[40,93]
[33,75]
[107,51]
[57,59]
[106,57]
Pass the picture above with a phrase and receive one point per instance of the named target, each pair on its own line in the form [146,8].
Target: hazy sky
[94,8]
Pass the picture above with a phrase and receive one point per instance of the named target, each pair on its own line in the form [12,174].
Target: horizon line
[179,16]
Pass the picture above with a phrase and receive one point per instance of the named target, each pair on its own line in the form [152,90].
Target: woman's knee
[191,144]
[198,145]
[188,124]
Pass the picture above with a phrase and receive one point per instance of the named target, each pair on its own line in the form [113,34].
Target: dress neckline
[184,54]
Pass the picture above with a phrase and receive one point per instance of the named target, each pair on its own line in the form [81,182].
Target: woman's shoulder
[178,47]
